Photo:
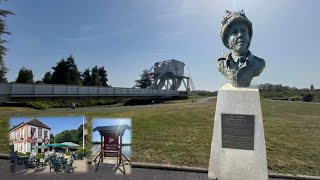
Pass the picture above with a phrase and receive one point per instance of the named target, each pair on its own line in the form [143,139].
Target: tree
[52,138]
[47,78]
[103,76]
[67,136]
[144,81]
[80,133]
[97,77]
[25,76]
[3,49]
[66,72]
[311,87]
[86,76]
[73,135]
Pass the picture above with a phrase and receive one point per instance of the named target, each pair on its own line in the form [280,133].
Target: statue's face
[238,38]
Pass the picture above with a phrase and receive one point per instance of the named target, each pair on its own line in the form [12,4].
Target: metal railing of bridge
[16,90]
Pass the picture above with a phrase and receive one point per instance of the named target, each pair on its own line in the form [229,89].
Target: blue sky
[56,123]
[126,139]
[129,36]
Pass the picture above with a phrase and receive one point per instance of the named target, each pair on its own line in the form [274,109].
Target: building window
[40,133]
[33,136]
[46,138]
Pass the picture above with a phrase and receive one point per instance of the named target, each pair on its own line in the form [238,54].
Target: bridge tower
[169,75]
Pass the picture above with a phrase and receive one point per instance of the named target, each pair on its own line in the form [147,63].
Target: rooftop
[34,122]
[106,130]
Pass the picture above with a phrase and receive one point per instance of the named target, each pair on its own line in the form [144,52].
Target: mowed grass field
[180,133]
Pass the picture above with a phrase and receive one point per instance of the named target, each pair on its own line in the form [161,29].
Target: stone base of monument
[238,150]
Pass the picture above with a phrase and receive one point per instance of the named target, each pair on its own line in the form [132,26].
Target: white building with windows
[25,136]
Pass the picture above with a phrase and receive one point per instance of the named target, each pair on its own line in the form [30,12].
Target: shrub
[28,153]
[68,153]
[81,151]
[40,155]
[21,154]
[38,105]
[42,105]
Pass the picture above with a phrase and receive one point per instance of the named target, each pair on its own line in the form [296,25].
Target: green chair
[68,168]
[39,162]
[55,165]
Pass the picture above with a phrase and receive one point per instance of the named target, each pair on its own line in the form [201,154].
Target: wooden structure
[111,142]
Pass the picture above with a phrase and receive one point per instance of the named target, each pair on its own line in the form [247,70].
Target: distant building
[33,133]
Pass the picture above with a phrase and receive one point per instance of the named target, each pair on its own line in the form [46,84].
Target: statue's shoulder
[260,62]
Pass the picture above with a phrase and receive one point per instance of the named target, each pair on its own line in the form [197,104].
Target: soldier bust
[240,66]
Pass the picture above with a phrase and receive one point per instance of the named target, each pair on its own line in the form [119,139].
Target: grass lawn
[180,134]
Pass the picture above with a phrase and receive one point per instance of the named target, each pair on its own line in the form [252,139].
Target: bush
[28,153]
[38,105]
[40,155]
[68,153]
[42,105]
[81,151]
[21,154]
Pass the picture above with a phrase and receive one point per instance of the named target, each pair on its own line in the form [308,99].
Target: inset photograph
[48,145]
[111,146]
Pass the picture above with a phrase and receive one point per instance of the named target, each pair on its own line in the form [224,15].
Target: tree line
[66,72]
[73,135]
[268,90]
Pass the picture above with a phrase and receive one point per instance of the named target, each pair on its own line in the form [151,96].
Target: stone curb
[168,167]
[204,170]
[289,176]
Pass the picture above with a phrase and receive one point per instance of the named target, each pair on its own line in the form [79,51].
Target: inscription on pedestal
[237,131]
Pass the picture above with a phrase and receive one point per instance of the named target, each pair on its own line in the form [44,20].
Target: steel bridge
[19,92]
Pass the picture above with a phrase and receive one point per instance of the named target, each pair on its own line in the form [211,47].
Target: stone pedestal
[238,150]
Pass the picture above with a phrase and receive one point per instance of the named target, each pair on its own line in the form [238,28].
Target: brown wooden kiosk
[111,143]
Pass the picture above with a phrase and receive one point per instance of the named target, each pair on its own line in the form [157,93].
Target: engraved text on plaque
[237,131]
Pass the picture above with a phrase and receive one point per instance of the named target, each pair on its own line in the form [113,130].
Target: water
[126,151]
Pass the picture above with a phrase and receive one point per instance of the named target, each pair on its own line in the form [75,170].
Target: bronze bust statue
[240,66]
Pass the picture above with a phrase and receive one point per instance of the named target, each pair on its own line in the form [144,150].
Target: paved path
[134,173]
[204,100]
[170,175]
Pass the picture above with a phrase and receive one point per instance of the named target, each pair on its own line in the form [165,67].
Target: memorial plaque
[237,131]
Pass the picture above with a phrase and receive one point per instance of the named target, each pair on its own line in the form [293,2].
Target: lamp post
[83,132]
